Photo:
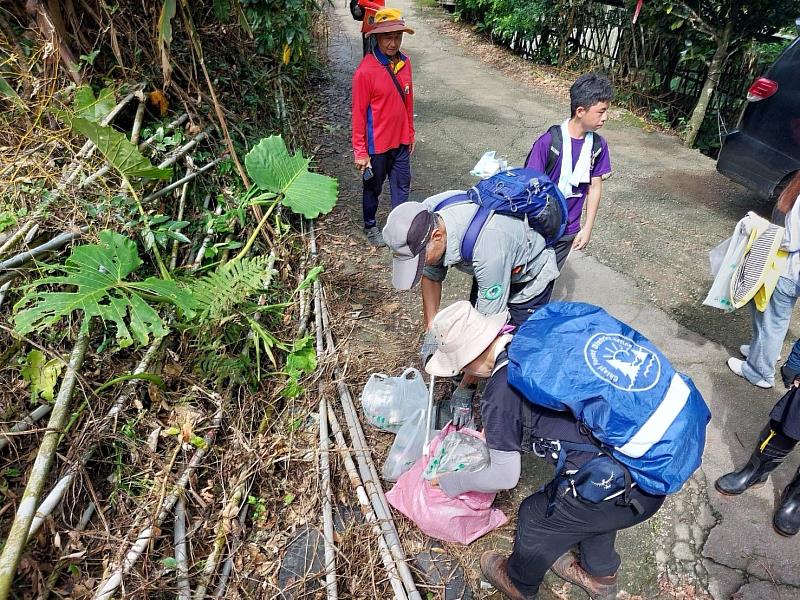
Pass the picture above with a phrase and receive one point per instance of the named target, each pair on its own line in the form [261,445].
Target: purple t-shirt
[602,166]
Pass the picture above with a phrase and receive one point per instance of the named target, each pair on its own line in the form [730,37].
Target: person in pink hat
[383,118]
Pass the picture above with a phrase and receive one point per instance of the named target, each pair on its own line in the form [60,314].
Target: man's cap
[388,20]
[407,232]
[462,334]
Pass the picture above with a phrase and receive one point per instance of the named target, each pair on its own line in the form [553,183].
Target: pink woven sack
[462,519]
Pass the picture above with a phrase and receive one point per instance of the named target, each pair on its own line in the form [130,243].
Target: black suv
[763,152]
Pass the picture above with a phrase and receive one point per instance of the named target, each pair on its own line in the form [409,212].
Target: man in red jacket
[383,118]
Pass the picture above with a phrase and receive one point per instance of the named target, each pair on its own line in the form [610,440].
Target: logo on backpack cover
[493,292]
[621,362]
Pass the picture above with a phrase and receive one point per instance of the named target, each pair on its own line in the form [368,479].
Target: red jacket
[382,120]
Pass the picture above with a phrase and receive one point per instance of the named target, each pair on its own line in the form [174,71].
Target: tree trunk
[712,79]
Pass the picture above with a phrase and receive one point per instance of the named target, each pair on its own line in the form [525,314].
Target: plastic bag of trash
[462,519]
[488,165]
[458,452]
[407,447]
[388,402]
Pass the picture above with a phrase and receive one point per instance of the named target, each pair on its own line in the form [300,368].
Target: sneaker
[493,567]
[599,588]
[735,365]
[744,350]
[374,236]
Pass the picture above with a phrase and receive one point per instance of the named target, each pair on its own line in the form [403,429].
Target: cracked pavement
[662,211]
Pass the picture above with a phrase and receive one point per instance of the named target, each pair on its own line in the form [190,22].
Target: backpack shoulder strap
[473,231]
[556,142]
[597,148]
[455,199]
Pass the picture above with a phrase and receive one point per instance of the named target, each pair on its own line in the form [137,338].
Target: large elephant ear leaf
[275,170]
[98,275]
[118,150]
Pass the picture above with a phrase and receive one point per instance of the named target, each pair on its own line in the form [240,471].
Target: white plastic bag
[716,255]
[407,447]
[719,296]
[488,165]
[458,452]
[388,402]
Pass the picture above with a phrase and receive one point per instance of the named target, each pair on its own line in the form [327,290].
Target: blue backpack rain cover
[520,193]
[576,357]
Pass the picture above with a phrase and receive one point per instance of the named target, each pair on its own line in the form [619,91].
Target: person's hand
[461,405]
[429,346]
[582,239]
[791,378]
[412,147]
[363,163]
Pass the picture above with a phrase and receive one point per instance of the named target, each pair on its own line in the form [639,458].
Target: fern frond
[218,294]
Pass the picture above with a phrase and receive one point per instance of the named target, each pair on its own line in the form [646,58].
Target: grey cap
[407,233]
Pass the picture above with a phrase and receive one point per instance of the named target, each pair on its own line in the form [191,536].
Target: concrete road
[663,209]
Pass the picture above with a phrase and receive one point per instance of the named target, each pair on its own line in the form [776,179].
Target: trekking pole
[427,445]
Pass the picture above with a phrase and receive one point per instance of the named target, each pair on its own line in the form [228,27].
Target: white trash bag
[388,402]
[407,447]
[488,165]
[458,452]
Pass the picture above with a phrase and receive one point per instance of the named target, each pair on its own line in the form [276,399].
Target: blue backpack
[520,193]
[621,389]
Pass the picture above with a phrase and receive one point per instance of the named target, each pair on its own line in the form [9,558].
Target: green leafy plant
[99,272]
[7,219]
[41,374]
[275,170]
[259,507]
[301,361]
[92,108]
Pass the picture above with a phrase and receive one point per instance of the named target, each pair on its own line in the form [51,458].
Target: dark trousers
[394,164]
[541,539]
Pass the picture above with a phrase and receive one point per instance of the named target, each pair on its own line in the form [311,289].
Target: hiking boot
[769,452]
[493,567]
[374,236]
[569,569]
[735,365]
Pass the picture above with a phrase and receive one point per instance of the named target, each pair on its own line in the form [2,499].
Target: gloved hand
[788,375]
[461,405]
[429,346]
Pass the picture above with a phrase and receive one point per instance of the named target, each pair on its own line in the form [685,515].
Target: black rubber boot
[787,518]
[771,449]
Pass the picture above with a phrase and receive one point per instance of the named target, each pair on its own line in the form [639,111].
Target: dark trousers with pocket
[541,539]
[394,164]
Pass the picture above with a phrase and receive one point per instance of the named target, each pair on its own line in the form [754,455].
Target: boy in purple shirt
[581,177]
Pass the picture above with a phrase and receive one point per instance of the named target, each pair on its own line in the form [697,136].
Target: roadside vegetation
[154,287]
[682,65]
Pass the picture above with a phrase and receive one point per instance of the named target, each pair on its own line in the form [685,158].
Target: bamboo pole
[25,423]
[109,585]
[18,536]
[227,567]
[369,474]
[198,259]
[183,180]
[56,243]
[181,556]
[190,168]
[331,591]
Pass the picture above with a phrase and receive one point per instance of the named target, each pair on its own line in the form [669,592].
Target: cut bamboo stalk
[181,556]
[183,180]
[366,507]
[3,289]
[109,585]
[331,591]
[227,568]
[183,150]
[173,261]
[56,243]
[198,259]
[20,233]
[53,499]
[230,510]
[137,121]
[369,474]
[25,423]
[18,536]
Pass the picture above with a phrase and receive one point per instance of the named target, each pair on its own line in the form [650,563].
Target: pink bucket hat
[462,334]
